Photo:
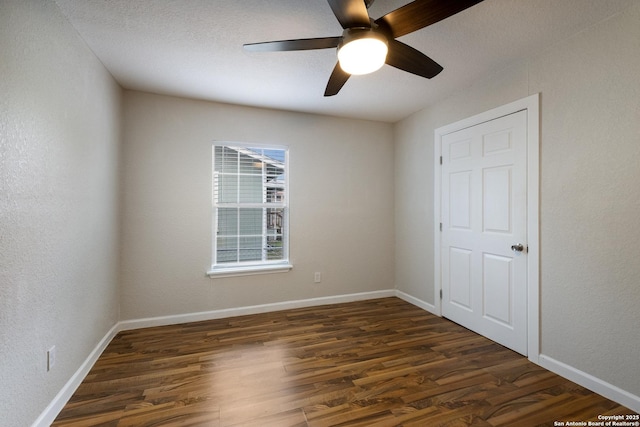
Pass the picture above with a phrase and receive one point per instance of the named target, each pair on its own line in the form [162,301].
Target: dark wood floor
[374,363]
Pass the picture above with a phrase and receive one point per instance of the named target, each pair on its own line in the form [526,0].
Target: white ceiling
[193,48]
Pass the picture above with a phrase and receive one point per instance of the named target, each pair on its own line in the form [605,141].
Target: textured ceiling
[193,48]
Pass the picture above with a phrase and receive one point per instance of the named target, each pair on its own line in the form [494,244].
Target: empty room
[446,238]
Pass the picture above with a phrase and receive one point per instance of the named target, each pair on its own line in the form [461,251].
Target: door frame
[531,105]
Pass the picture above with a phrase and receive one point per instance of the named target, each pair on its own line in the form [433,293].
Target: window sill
[248,271]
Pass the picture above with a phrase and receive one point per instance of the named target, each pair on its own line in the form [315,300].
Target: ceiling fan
[367,44]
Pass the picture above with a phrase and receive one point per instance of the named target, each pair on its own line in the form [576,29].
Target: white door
[484,229]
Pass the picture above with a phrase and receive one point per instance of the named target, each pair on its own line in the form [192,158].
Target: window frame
[242,268]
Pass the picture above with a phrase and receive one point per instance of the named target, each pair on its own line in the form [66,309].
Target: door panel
[460,150]
[461,200]
[497,200]
[461,277]
[497,283]
[483,179]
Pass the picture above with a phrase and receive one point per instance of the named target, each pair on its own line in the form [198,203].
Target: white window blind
[250,206]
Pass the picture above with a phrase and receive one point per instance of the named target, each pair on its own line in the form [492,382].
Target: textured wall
[590,204]
[59,141]
[341,195]
[589,193]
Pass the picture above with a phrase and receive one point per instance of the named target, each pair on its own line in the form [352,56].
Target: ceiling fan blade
[406,58]
[299,44]
[421,13]
[336,81]
[351,13]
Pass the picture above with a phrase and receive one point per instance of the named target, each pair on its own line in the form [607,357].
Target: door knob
[517,248]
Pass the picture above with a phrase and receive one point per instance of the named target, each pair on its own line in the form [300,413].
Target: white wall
[590,193]
[341,205]
[59,144]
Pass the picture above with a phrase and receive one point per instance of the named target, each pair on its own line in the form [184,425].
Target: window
[250,209]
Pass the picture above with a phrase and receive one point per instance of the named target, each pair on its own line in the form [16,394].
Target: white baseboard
[417,302]
[254,309]
[586,380]
[50,413]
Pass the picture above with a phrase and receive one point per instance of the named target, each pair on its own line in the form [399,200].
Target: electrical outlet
[317,277]
[51,357]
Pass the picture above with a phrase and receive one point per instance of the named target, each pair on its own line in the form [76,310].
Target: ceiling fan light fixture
[362,51]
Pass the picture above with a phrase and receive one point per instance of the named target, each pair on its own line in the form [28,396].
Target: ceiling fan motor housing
[362,50]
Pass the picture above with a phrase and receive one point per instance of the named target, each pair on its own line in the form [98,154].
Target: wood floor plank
[377,363]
